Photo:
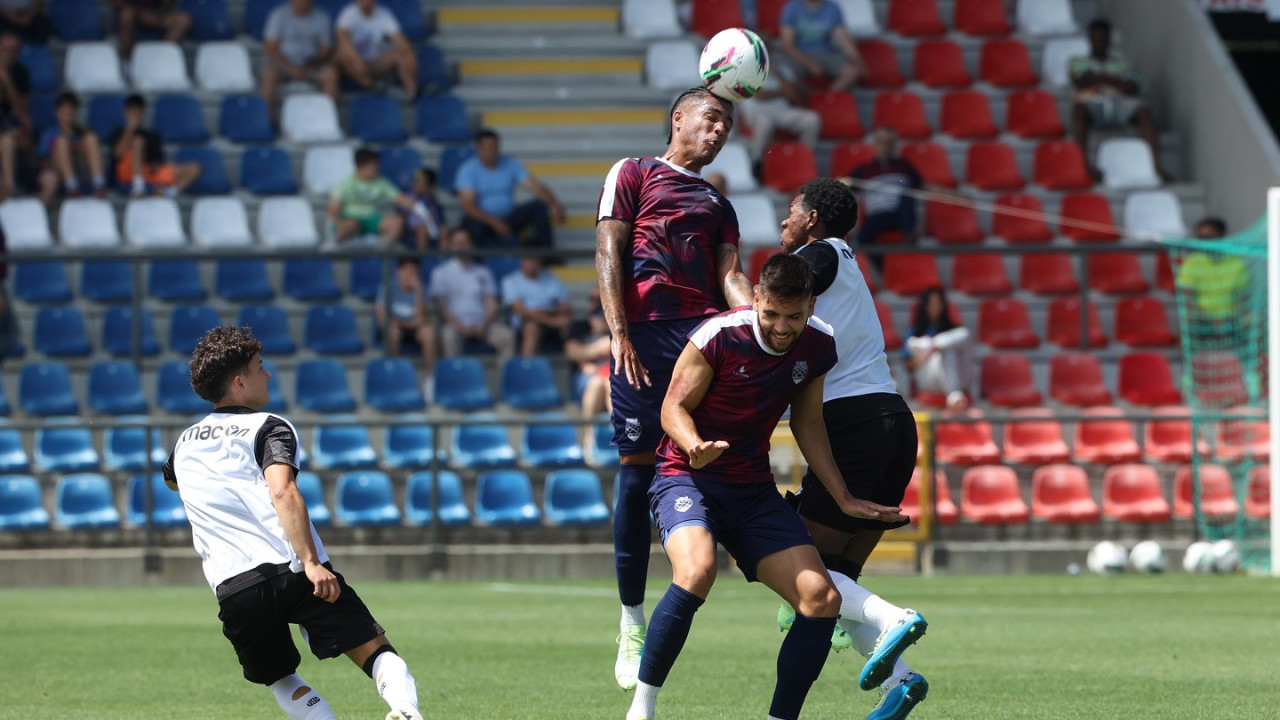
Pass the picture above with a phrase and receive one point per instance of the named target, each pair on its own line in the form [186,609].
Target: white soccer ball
[1198,558]
[1147,556]
[1107,558]
[734,64]
[1226,556]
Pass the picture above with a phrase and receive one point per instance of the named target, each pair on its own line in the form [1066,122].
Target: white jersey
[218,464]
[845,303]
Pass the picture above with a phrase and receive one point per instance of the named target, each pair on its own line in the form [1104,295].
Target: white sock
[395,683]
[860,604]
[864,642]
[299,701]
[642,705]
[633,615]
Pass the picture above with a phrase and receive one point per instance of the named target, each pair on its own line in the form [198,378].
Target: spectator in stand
[588,348]
[15,116]
[426,228]
[466,298]
[939,352]
[371,45]
[139,156]
[817,44]
[780,105]
[486,185]
[540,312]
[27,18]
[297,43]
[409,318]
[885,208]
[361,204]
[1107,95]
[65,143]
[162,15]
[1214,280]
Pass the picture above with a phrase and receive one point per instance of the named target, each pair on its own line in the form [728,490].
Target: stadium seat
[847,156]
[26,225]
[124,448]
[310,117]
[65,445]
[310,279]
[452,157]
[343,447]
[1063,325]
[1217,502]
[981,17]
[175,281]
[106,281]
[242,280]
[210,20]
[189,323]
[1033,436]
[1141,322]
[1005,323]
[735,164]
[1006,64]
[550,445]
[41,109]
[966,114]
[13,457]
[443,119]
[21,505]
[757,220]
[409,14]
[992,166]
[839,113]
[331,330]
[434,76]
[266,171]
[882,65]
[758,258]
[671,64]
[1168,440]
[945,512]
[940,64]
[376,119]
[965,443]
[931,161]
[60,332]
[980,274]
[75,20]
[1056,59]
[115,389]
[788,165]
[312,491]
[460,384]
[167,511]
[481,445]
[1106,437]
[892,340]
[1127,164]
[768,16]
[256,13]
[87,223]
[277,402]
[1218,378]
[399,165]
[1257,498]
[1046,17]
[860,18]
[243,118]
[1154,213]
[213,173]
[410,446]
[417,499]
[117,332]
[324,167]
[1244,438]
[1060,494]
[989,495]
[287,222]
[650,19]
[321,386]
[1006,380]
[220,222]
[1092,212]
[92,67]
[904,112]
[1131,493]
[364,499]
[44,389]
[173,390]
[84,501]
[365,277]
[1059,165]
[1019,218]
[504,498]
[711,16]
[1075,378]
[271,328]
[154,222]
[1164,273]
[41,282]
[157,67]
[574,497]
[1115,273]
[106,114]
[910,273]
[528,383]
[391,385]
[1033,114]
[915,18]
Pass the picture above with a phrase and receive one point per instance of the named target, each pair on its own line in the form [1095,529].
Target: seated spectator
[1214,280]
[486,185]
[589,348]
[466,298]
[409,320]
[27,19]
[540,312]
[426,228]
[780,105]
[297,43]
[884,208]
[162,15]
[939,353]
[1107,95]
[816,43]
[361,204]
[15,116]
[371,45]
[68,141]
[140,159]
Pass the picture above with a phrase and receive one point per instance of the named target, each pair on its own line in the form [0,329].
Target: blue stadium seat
[41,281]
[106,114]
[243,118]
[5,409]
[313,494]
[504,498]
[210,19]
[271,327]
[44,389]
[502,266]
[554,445]
[366,276]
[59,332]
[376,119]
[391,385]
[528,383]
[364,500]
[242,280]
[13,457]
[115,389]
[321,386]
[266,171]
[410,446]
[65,445]
[166,512]
[41,110]
[343,447]
[189,323]
[75,20]
[213,173]
[433,70]
[451,158]
[175,281]
[125,448]
[179,119]
[481,446]
[604,453]
[21,506]
[417,500]
[460,384]
[117,332]
[574,497]
[277,403]
[256,13]
[173,390]
[399,164]
[106,281]
[409,14]
[83,501]
[331,330]
[39,64]
[443,119]
[333,7]
[310,279]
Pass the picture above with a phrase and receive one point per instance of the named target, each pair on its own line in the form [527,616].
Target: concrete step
[468,42]
[527,69]
[629,92]
[522,19]
[572,118]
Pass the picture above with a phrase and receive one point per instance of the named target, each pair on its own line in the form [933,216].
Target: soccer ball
[1226,556]
[1106,558]
[1199,558]
[734,64]
[1147,556]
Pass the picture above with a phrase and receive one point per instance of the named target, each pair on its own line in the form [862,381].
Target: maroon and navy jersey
[677,221]
[751,388]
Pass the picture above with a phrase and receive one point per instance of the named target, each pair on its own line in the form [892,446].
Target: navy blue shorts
[637,414]
[752,521]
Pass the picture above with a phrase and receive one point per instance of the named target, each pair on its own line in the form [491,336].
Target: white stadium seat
[735,164]
[287,222]
[224,67]
[26,225]
[220,222]
[323,167]
[650,19]
[93,67]
[1156,213]
[860,18]
[757,221]
[1057,57]
[1046,17]
[88,223]
[310,117]
[154,222]
[1126,164]
[671,65]
[159,67]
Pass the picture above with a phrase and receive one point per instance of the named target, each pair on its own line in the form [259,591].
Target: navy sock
[800,661]
[631,532]
[668,628]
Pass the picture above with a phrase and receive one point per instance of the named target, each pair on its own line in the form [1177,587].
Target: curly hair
[787,277]
[223,353]
[835,203]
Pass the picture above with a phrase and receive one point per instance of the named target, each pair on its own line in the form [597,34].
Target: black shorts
[874,443]
[256,620]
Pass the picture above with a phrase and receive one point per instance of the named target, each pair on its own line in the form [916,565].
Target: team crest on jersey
[632,429]
[799,371]
[683,503]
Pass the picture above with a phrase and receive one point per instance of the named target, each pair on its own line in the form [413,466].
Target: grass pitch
[1027,647]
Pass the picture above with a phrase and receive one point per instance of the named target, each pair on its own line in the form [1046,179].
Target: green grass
[998,647]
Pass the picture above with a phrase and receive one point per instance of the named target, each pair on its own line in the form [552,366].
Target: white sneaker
[403,715]
[630,647]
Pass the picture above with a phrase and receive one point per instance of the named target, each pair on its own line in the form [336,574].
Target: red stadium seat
[952,224]
[892,340]
[1047,274]
[787,166]
[1060,494]
[865,267]
[910,273]
[1033,114]
[712,16]
[966,114]
[1024,223]
[992,166]
[1005,323]
[1217,498]
[847,156]
[758,258]
[1006,380]
[981,17]
[1141,322]
[1033,437]
[931,162]
[904,112]
[1257,499]
[1168,441]
[1164,273]
[1090,208]
[1059,165]
[882,65]
[1064,324]
[940,64]
[965,443]
[839,113]
[1240,438]
[945,510]
[1146,379]
[980,274]
[1218,378]
[768,15]
[1131,493]
[1115,273]
[1105,438]
[915,18]
[1006,64]
[989,495]
[1075,378]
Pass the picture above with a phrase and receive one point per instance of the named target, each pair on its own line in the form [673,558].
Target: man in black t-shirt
[139,156]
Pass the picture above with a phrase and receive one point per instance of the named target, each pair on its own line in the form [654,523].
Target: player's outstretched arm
[612,236]
[689,382]
[733,282]
[292,510]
